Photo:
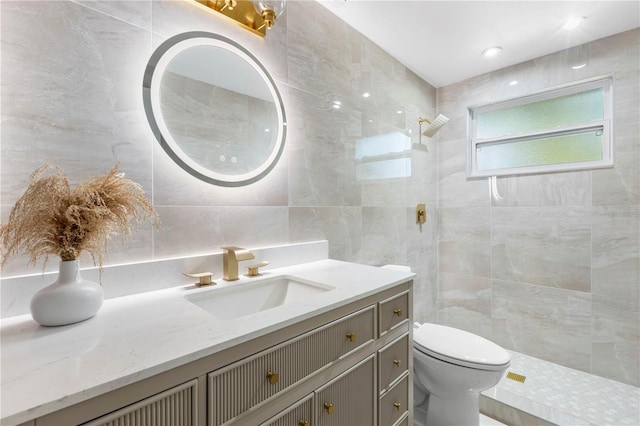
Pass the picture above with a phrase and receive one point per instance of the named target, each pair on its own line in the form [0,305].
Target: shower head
[433,126]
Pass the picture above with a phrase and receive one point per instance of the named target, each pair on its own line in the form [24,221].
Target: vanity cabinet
[351,365]
[176,406]
[236,389]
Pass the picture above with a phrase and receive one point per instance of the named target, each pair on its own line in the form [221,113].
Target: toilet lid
[459,347]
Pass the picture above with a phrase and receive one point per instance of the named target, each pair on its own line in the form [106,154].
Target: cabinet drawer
[174,407]
[394,404]
[393,361]
[300,414]
[237,388]
[393,311]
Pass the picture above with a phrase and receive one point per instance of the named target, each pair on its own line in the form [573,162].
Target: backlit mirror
[214,108]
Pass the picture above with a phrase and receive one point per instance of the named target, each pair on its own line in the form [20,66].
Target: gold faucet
[230,258]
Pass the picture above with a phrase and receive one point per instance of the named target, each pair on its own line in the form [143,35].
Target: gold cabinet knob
[397,405]
[397,312]
[397,362]
[328,407]
[351,337]
[304,423]
[273,377]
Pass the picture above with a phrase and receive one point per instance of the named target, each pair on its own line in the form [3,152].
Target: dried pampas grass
[51,219]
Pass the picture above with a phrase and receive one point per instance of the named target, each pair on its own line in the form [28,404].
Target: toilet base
[461,411]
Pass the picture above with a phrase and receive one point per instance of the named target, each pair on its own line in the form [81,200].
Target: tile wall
[72,95]
[553,269]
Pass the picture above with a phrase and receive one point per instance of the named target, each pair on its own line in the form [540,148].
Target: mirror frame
[151,98]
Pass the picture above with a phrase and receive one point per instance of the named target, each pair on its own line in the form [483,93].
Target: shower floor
[558,395]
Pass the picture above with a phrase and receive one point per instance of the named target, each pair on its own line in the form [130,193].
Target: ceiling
[442,41]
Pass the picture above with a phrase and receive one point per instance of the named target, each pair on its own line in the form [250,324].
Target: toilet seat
[459,347]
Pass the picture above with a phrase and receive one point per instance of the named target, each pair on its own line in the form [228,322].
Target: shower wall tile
[616,253]
[454,190]
[423,184]
[384,235]
[464,241]
[554,189]
[543,246]
[621,185]
[384,192]
[616,340]
[464,301]
[342,226]
[543,322]
[556,234]
[422,251]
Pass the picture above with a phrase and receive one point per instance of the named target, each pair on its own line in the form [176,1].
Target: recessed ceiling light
[573,23]
[491,51]
[578,66]
[513,82]
[366,95]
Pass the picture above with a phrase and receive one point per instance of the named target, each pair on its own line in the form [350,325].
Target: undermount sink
[246,298]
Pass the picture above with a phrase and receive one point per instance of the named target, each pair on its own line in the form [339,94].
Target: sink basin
[246,298]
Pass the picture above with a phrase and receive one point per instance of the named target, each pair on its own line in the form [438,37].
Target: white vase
[69,300]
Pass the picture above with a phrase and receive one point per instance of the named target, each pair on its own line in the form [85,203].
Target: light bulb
[269,10]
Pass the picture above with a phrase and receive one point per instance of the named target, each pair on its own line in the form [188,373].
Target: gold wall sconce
[256,16]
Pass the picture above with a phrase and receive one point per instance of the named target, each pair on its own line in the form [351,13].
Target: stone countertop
[138,336]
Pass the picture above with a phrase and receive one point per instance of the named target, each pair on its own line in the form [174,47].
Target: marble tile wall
[553,269]
[72,95]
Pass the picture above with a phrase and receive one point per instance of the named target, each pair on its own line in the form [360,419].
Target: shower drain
[517,377]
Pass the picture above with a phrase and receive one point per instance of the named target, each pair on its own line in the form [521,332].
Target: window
[558,130]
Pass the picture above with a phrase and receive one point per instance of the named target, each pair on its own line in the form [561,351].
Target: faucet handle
[253,270]
[204,278]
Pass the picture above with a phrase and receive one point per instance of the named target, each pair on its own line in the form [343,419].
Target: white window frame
[605,125]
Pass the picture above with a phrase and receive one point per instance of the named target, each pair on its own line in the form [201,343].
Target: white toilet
[451,368]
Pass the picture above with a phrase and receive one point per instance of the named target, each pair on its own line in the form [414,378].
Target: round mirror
[214,109]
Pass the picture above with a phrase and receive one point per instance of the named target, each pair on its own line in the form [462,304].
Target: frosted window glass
[538,152]
[577,108]
[562,129]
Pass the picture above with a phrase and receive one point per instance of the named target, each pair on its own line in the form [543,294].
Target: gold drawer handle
[273,377]
[397,362]
[304,423]
[351,336]
[397,312]
[328,407]
[397,405]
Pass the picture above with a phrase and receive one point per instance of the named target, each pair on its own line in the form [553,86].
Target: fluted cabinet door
[300,414]
[174,407]
[350,399]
